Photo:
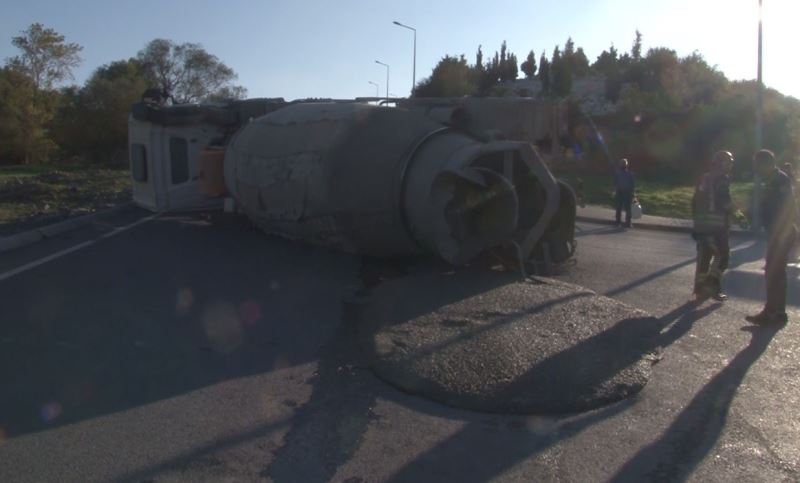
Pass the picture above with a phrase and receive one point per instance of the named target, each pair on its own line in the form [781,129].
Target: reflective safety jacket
[712,207]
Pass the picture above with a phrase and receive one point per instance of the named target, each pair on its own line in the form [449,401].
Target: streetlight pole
[414,71]
[759,126]
[377,87]
[387,77]
[760,94]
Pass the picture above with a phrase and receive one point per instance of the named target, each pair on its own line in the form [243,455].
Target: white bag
[636,210]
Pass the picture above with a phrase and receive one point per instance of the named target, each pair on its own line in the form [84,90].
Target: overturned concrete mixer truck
[446,178]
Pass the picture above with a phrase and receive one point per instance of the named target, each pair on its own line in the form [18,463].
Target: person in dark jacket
[778,215]
[624,187]
[712,211]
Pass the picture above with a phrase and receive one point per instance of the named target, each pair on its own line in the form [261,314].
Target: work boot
[703,290]
[714,284]
[768,318]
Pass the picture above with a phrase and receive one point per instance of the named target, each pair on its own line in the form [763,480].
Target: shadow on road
[455,458]
[649,277]
[175,305]
[192,457]
[471,454]
[749,253]
[750,285]
[740,256]
[694,433]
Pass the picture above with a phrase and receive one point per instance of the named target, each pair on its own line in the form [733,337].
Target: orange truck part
[211,171]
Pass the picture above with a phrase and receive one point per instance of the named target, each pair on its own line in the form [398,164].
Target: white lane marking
[67,251]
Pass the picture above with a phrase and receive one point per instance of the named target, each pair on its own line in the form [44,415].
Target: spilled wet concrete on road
[486,341]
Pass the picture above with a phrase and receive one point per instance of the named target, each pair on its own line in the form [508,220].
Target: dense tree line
[671,112]
[43,122]
[688,81]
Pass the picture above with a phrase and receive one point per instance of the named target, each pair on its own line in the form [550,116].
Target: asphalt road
[186,349]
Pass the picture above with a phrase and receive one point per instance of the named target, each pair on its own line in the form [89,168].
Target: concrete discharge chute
[388,182]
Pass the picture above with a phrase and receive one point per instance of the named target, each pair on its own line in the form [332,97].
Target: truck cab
[166,143]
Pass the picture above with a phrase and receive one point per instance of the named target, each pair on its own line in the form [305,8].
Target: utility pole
[387,77]
[377,87]
[759,125]
[414,71]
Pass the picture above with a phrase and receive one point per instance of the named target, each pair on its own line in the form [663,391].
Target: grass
[38,194]
[660,199]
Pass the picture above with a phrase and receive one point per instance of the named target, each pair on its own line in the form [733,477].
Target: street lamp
[756,219]
[387,77]
[377,87]
[414,72]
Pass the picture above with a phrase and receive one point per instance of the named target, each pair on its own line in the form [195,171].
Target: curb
[49,231]
[658,227]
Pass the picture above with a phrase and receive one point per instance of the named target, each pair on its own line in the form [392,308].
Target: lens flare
[184,302]
[50,412]
[250,312]
[223,327]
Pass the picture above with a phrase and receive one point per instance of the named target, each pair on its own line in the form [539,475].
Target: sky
[302,48]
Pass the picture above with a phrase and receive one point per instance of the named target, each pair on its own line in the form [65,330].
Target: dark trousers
[713,258]
[624,201]
[778,250]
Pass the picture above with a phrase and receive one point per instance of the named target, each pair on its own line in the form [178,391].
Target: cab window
[139,162]
[179,160]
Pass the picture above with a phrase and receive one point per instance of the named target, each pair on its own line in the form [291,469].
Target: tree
[451,77]
[636,50]
[492,74]
[569,48]
[24,115]
[529,66]
[580,63]
[562,75]
[479,59]
[45,57]
[702,83]
[510,69]
[662,75]
[608,64]
[187,73]
[28,102]
[544,74]
[92,122]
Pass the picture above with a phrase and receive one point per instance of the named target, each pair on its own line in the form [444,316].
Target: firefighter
[778,215]
[712,210]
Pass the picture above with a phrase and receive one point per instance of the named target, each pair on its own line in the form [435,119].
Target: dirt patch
[36,196]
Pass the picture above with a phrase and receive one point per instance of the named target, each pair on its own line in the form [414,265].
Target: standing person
[624,187]
[712,210]
[778,214]
[789,170]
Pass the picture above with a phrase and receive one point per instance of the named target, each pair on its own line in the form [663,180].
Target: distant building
[522,88]
[589,91]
